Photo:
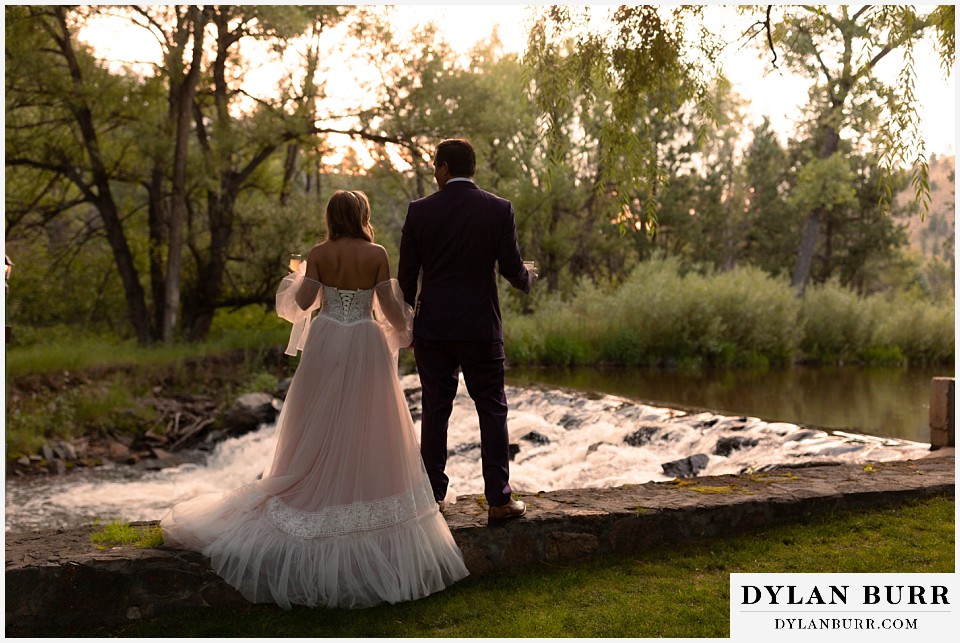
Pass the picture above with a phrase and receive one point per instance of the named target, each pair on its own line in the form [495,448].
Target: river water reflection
[886,402]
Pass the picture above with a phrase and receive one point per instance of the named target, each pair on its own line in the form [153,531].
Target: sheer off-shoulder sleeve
[394,315]
[296,291]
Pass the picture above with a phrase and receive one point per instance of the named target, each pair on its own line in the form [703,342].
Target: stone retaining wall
[58,583]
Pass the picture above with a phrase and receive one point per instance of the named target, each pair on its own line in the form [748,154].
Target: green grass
[680,591]
[83,353]
[119,532]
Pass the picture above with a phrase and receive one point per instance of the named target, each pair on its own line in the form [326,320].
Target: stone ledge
[58,583]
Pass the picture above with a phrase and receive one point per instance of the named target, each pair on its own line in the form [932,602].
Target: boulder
[642,436]
[727,445]
[117,451]
[248,412]
[536,438]
[283,387]
[687,467]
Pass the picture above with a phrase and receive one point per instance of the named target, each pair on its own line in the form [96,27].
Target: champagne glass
[295,261]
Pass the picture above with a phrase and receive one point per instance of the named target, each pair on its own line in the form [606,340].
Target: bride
[344,515]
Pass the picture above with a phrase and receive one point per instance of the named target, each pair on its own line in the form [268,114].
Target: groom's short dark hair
[459,156]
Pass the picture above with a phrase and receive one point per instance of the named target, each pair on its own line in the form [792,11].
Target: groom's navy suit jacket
[459,236]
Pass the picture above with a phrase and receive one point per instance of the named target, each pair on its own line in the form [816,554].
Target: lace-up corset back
[347,306]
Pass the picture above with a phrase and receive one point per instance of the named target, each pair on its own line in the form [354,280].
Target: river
[565,438]
[884,401]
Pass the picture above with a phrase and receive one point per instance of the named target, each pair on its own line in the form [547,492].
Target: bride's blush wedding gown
[344,516]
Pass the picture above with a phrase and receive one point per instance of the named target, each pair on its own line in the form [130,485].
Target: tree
[770,238]
[181,144]
[639,69]
[839,49]
[181,32]
[64,118]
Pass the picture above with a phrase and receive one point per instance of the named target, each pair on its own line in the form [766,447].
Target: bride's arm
[307,293]
[309,287]
[391,309]
[295,290]
[297,297]
[393,313]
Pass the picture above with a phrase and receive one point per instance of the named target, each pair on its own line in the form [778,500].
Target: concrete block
[942,412]
[940,438]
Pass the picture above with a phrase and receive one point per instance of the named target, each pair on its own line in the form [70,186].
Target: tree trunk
[103,197]
[808,244]
[289,171]
[182,91]
[209,287]
[811,230]
[156,224]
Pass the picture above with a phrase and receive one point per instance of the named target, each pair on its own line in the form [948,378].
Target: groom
[459,238]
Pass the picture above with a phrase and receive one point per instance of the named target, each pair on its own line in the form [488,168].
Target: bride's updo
[348,215]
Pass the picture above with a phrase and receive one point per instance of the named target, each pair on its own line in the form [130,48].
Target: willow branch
[860,12]
[918,27]
[766,25]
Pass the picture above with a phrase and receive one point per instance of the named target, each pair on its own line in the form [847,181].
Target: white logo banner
[843,607]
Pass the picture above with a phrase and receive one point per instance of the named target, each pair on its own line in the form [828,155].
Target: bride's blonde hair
[348,215]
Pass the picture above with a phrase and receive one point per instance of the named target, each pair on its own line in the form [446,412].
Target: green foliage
[924,332]
[119,533]
[743,317]
[590,134]
[839,325]
[944,21]
[80,409]
[59,349]
[824,183]
[642,68]
[660,316]
[119,401]
[259,382]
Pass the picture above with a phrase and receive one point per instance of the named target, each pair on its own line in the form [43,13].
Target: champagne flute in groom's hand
[532,269]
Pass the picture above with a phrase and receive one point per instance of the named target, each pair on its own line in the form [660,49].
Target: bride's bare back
[348,264]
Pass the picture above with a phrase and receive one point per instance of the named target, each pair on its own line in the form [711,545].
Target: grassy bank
[63,384]
[660,316]
[57,349]
[672,592]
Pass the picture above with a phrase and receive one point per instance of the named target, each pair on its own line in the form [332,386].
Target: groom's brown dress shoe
[513,509]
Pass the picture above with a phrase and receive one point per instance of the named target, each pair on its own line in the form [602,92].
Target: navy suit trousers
[438,364]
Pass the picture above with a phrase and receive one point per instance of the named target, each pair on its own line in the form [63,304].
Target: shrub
[923,332]
[659,316]
[838,325]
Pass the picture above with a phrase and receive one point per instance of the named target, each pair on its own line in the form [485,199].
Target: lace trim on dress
[342,519]
[246,497]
